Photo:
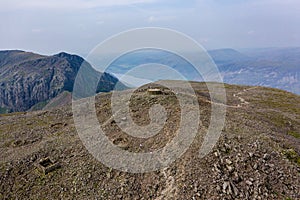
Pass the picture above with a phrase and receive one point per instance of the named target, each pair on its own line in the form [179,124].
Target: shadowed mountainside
[28,79]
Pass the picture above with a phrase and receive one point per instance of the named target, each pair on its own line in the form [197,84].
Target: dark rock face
[27,79]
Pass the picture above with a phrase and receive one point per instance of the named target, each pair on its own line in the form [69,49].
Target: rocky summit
[256,157]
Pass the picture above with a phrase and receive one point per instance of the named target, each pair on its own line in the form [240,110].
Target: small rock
[225,186]
[230,168]
[235,190]
[273,154]
[216,168]
[216,154]
[227,146]
[229,162]
[266,156]
[89,175]
[249,182]
[271,165]
[236,177]
[255,166]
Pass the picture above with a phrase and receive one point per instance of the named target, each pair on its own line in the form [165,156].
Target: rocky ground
[256,157]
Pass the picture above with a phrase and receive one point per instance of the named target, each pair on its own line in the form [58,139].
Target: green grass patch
[294,134]
[292,155]
[11,114]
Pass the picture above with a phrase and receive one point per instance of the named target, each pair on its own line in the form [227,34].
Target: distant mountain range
[30,81]
[270,67]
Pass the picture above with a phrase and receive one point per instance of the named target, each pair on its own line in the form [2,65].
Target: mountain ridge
[27,78]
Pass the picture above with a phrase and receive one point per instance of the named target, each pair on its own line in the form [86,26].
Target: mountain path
[242,100]
[236,95]
[170,191]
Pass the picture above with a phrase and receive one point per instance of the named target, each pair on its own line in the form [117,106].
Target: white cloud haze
[50,26]
[65,4]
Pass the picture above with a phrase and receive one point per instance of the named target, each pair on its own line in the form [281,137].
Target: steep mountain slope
[27,79]
[257,156]
[60,100]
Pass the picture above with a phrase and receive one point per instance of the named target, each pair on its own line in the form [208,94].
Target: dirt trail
[170,191]
[236,95]
[242,100]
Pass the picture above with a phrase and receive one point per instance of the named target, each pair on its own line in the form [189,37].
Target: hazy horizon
[49,27]
[84,55]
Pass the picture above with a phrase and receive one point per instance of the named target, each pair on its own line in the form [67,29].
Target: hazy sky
[76,26]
